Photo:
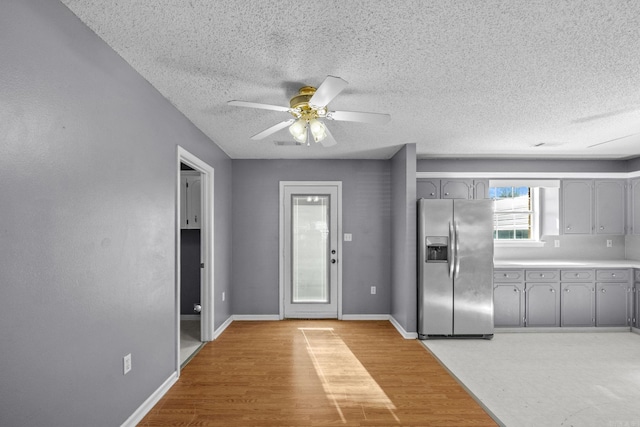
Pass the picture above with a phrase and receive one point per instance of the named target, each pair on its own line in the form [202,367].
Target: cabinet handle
[515,289]
[432,194]
[613,274]
[446,194]
[577,275]
[568,227]
[601,228]
[195,218]
[566,290]
[552,290]
[542,275]
[603,291]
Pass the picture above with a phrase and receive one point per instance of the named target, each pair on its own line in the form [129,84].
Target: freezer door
[435,283]
[473,269]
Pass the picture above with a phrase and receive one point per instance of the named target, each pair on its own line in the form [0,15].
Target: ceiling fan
[309,108]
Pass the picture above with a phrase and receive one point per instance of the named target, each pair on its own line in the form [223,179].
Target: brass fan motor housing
[301,100]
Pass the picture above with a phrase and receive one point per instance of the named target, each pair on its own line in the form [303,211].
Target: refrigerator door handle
[451,255]
[457,248]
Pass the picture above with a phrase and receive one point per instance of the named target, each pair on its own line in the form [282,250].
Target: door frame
[281,254]
[206,247]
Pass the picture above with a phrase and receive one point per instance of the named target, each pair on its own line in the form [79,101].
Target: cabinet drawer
[542,275]
[637,275]
[508,275]
[581,275]
[618,275]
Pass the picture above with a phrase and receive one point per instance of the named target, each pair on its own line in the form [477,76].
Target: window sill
[518,243]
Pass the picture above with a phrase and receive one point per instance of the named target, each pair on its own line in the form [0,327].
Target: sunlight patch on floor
[346,381]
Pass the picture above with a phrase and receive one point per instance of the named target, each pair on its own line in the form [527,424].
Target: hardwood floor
[315,373]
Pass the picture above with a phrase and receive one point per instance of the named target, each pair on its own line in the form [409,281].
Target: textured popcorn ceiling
[459,78]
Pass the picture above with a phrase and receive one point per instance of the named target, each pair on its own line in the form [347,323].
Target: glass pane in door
[310,248]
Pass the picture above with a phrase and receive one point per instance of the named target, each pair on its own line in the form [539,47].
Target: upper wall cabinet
[593,207]
[190,203]
[635,206]
[577,206]
[452,188]
[610,197]
[428,188]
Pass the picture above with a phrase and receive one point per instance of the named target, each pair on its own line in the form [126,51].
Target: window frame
[534,239]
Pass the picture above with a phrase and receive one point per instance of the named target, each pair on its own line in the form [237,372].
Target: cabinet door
[428,188]
[612,301]
[636,305]
[481,188]
[183,201]
[635,206]
[542,304]
[577,304]
[508,305]
[194,203]
[577,206]
[456,189]
[610,195]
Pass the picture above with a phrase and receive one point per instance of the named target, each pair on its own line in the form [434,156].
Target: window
[514,216]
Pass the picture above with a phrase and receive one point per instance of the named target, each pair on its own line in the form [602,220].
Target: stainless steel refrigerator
[455,268]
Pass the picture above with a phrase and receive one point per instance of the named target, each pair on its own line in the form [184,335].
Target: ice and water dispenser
[437,249]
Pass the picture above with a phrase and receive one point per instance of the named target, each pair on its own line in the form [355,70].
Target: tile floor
[550,379]
[189,339]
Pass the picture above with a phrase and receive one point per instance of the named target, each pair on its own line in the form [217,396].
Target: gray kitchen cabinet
[635,206]
[577,304]
[481,189]
[456,189]
[542,304]
[577,206]
[610,206]
[428,188]
[613,297]
[635,322]
[508,298]
[577,298]
[190,200]
[508,304]
[542,298]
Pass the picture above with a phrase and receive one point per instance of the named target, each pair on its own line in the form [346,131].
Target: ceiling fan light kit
[307,107]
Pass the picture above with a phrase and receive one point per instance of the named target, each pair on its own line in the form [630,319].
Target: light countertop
[565,263]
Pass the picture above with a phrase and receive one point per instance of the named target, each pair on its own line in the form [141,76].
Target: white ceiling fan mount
[307,107]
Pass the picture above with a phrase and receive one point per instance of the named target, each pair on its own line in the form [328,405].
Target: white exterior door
[310,252]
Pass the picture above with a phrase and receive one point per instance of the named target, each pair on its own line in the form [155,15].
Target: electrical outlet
[609,243]
[556,243]
[223,296]
[126,363]
[373,290]
[348,237]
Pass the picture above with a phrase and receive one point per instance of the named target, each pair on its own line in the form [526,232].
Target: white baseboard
[365,317]
[256,317]
[222,327]
[190,317]
[151,401]
[405,334]
[563,329]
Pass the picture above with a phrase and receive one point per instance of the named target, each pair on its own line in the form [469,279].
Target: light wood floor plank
[315,373]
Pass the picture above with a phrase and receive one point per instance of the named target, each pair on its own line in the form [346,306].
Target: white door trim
[281,254]
[206,250]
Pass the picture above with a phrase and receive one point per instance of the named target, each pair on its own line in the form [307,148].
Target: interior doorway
[194,256]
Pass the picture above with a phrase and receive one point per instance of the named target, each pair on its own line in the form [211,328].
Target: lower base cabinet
[612,304]
[508,305]
[542,304]
[577,304]
[607,300]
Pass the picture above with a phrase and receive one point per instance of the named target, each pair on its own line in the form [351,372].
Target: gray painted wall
[404,229]
[366,215]
[87,231]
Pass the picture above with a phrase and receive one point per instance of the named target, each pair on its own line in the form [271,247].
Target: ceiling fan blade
[328,141]
[273,129]
[258,105]
[329,89]
[357,116]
